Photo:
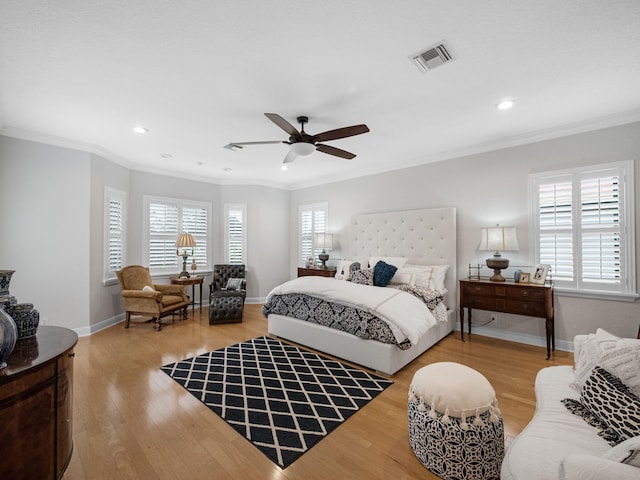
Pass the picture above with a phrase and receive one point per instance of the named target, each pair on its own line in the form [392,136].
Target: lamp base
[497,264]
[184,273]
[323,257]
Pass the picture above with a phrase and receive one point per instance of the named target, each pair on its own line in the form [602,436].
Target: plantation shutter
[194,221]
[163,232]
[236,235]
[313,220]
[556,222]
[114,232]
[600,213]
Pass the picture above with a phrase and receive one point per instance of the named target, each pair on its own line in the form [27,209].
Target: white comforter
[407,316]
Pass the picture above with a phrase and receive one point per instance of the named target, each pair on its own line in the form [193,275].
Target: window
[235,246]
[165,219]
[313,219]
[114,232]
[584,227]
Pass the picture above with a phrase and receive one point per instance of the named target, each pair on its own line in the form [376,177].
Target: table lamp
[495,239]
[325,242]
[185,240]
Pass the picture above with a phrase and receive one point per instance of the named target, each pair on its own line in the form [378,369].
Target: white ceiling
[200,74]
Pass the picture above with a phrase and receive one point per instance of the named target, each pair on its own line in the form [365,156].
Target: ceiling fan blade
[240,144]
[340,133]
[283,124]
[334,151]
[290,157]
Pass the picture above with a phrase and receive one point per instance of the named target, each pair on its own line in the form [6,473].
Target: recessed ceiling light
[506,104]
[227,169]
[140,129]
[166,155]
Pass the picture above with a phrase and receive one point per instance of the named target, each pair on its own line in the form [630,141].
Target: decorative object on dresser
[8,337]
[227,293]
[185,241]
[316,272]
[325,242]
[281,398]
[509,297]
[496,239]
[421,244]
[36,406]
[142,297]
[24,315]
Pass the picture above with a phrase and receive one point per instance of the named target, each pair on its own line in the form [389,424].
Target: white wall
[486,189]
[45,198]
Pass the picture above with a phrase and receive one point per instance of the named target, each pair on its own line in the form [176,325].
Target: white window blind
[114,232]
[313,219]
[584,227]
[236,233]
[166,219]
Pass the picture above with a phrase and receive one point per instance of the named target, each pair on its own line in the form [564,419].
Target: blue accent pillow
[383,273]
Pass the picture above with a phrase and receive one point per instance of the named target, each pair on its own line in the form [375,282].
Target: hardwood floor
[131,421]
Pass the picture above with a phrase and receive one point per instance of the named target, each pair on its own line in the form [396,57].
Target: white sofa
[560,445]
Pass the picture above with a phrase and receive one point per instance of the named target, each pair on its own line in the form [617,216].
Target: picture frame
[310,262]
[524,277]
[539,274]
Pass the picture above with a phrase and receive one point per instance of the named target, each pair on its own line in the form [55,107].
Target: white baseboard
[520,338]
[96,327]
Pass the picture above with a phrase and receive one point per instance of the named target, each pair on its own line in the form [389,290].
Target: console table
[36,405]
[508,297]
[193,281]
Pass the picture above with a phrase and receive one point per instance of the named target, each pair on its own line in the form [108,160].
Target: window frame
[201,251]
[112,194]
[228,208]
[302,237]
[625,289]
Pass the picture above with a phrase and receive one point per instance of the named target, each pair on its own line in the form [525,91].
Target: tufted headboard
[425,237]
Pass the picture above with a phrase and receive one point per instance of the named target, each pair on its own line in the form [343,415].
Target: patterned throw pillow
[363,276]
[383,273]
[235,283]
[608,404]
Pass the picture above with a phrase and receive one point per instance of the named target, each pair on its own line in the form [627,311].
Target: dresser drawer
[526,293]
[473,290]
[534,309]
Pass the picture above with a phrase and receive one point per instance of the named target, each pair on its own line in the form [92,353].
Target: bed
[424,238]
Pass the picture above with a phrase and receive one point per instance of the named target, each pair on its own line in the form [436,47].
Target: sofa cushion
[626,452]
[619,356]
[611,401]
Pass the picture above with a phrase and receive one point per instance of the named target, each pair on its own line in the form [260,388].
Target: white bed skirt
[381,357]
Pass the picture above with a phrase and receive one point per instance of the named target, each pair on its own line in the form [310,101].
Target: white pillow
[147,288]
[453,387]
[397,262]
[431,277]
[627,452]
[618,356]
[342,271]
[402,278]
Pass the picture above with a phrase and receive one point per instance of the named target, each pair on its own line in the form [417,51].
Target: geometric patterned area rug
[281,398]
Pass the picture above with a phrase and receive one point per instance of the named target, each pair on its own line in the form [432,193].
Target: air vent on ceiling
[431,58]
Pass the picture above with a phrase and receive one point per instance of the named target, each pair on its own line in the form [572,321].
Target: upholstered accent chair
[227,293]
[142,297]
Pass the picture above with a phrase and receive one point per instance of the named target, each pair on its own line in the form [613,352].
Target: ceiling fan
[302,144]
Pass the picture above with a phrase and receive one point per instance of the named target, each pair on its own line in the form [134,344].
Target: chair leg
[127,319]
[159,322]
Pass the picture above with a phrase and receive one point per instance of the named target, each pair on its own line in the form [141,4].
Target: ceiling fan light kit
[301,144]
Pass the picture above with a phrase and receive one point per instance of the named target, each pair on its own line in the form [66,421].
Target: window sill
[618,297]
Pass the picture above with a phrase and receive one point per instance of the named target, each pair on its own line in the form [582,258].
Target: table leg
[462,323]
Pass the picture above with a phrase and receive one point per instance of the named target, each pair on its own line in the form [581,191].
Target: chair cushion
[235,283]
[170,300]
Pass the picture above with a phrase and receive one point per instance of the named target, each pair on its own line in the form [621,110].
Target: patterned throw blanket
[348,318]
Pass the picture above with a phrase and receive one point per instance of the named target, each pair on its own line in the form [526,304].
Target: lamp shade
[498,239]
[185,240]
[324,241]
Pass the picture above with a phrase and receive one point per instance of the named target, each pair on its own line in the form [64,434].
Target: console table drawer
[526,293]
[533,309]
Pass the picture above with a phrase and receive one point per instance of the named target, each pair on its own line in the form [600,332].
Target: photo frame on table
[539,275]
[524,277]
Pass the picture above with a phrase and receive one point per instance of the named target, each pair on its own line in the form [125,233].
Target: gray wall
[486,189]
[52,213]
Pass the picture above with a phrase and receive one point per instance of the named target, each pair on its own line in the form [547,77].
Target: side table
[193,281]
[316,272]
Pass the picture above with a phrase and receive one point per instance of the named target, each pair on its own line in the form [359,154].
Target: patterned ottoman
[455,426]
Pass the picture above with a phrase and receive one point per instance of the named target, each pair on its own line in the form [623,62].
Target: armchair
[142,297]
[226,304]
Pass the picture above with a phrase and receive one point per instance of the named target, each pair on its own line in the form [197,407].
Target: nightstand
[508,297]
[316,272]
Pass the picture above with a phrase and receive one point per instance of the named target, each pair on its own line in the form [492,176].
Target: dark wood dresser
[508,297]
[36,405]
[316,272]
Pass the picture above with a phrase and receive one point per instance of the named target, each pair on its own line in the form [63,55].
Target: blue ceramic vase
[8,337]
